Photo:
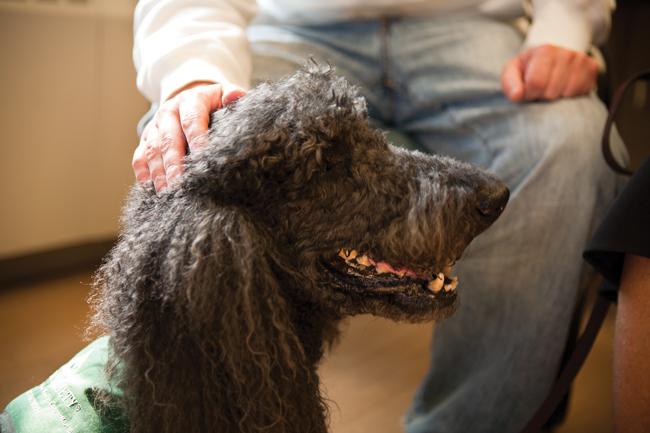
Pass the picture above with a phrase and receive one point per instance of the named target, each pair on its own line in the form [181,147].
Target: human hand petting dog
[181,123]
[548,72]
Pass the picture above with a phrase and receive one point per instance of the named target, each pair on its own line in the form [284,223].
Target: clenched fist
[548,72]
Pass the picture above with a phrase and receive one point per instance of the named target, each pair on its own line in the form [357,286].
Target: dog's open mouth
[381,277]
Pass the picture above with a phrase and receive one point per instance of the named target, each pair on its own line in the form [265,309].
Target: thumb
[231,93]
[512,80]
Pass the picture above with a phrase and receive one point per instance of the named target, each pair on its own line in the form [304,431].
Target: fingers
[537,73]
[512,80]
[194,113]
[156,166]
[558,75]
[231,94]
[147,163]
[196,106]
[181,122]
[171,148]
[550,72]
[139,162]
[159,156]
[581,84]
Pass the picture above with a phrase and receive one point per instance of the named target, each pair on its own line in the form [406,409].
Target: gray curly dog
[222,294]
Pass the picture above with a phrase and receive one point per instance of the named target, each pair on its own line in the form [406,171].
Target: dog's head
[220,292]
[364,226]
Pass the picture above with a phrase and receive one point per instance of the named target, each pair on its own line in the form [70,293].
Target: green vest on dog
[67,401]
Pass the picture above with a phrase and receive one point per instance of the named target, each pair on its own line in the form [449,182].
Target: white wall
[68,109]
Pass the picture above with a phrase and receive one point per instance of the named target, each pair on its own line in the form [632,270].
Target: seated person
[620,251]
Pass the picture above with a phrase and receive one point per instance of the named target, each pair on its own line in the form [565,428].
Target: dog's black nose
[491,202]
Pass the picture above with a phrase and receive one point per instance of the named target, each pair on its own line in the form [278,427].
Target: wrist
[188,86]
[561,24]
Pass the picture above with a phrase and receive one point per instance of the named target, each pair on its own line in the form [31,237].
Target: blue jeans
[435,81]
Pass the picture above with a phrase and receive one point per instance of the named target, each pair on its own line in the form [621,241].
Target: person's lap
[436,81]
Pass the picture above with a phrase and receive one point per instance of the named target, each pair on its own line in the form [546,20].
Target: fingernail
[232,96]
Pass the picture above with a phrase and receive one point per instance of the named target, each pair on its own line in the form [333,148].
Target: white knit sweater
[181,41]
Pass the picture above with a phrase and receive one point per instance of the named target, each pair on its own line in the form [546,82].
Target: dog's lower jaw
[399,307]
[412,303]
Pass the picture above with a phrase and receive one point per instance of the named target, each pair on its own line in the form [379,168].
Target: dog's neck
[316,327]
[315,322]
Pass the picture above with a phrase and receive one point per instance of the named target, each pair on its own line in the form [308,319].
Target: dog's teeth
[347,255]
[435,285]
[451,285]
[363,260]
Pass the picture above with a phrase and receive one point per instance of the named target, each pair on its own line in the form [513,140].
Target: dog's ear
[281,134]
[199,326]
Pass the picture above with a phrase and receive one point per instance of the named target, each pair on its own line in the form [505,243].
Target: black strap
[613,110]
[570,370]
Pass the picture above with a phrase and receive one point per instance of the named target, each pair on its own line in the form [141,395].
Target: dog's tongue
[383,267]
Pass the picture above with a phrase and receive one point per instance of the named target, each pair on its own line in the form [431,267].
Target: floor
[371,375]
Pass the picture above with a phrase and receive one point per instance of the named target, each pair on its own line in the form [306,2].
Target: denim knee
[565,137]
[570,133]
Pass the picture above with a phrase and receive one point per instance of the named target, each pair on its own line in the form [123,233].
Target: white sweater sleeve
[177,42]
[572,24]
